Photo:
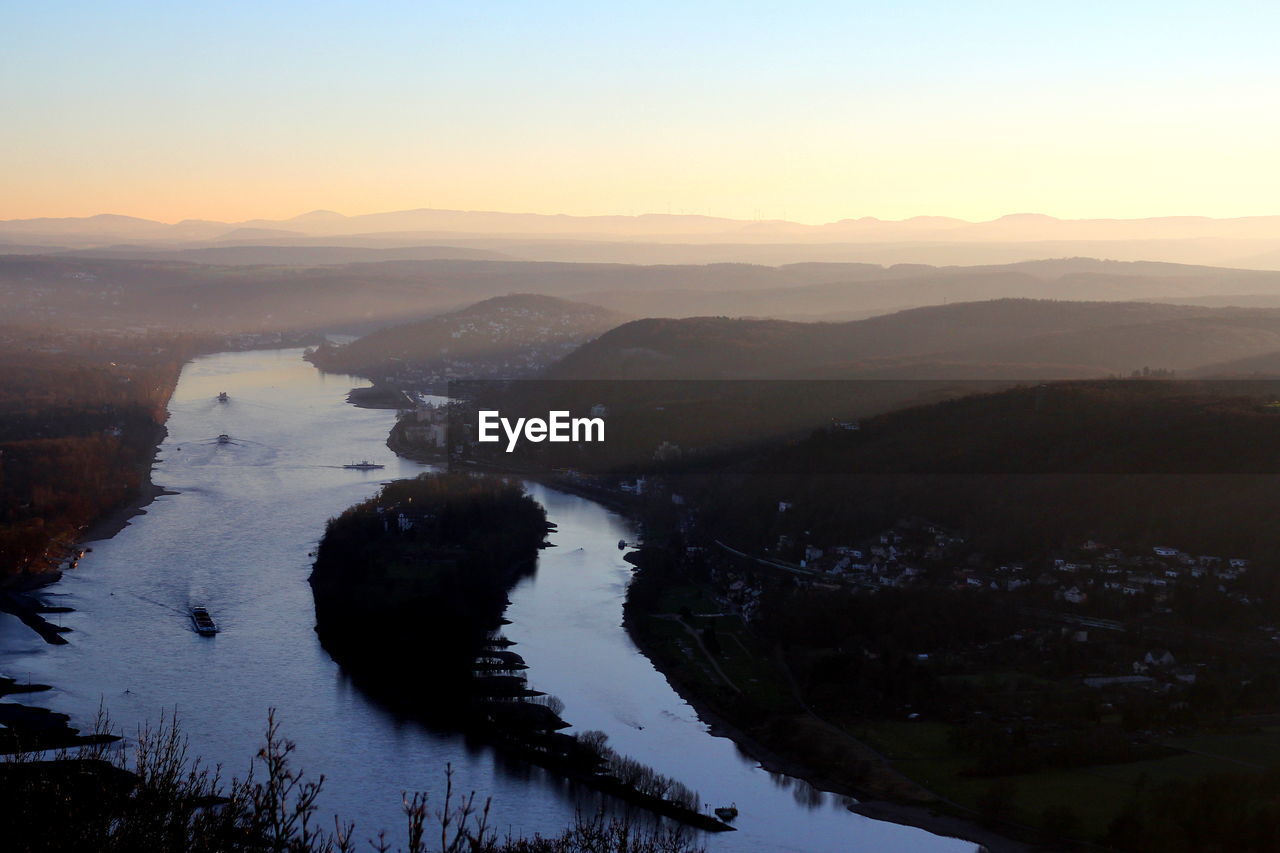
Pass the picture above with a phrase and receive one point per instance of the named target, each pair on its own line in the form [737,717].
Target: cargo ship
[204,623]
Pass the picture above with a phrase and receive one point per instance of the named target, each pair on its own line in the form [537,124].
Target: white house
[1075,596]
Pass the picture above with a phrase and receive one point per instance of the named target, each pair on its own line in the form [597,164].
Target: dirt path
[670,617]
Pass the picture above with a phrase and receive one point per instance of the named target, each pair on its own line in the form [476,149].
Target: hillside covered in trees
[1001,339]
[416,574]
[80,417]
[1034,465]
[1052,607]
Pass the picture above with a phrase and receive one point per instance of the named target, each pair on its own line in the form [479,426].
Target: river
[236,536]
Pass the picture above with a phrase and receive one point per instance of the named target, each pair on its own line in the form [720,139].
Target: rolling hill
[507,336]
[1009,338]
[1027,469]
[855,291]
[249,288]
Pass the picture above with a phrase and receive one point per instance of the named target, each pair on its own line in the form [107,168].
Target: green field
[1096,794]
[746,664]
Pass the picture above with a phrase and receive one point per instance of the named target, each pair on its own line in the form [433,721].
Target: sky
[806,111]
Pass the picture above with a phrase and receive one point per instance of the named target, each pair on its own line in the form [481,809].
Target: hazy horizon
[321,213]
[808,114]
[656,238]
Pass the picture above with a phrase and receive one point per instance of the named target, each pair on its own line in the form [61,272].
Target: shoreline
[19,602]
[919,816]
[359,612]
[119,518]
[867,805]
[17,591]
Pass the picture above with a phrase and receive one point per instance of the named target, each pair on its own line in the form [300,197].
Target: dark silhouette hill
[1020,337]
[1028,469]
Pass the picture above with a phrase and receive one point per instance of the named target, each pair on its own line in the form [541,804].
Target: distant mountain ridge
[290,255]
[854,291]
[1013,227]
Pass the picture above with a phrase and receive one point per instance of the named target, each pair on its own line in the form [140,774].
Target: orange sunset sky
[805,111]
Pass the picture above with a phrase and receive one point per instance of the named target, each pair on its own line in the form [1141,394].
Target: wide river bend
[236,537]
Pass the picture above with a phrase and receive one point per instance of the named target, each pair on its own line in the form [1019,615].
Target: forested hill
[80,417]
[1026,469]
[1015,338]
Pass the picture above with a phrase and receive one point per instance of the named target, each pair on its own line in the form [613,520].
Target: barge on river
[205,626]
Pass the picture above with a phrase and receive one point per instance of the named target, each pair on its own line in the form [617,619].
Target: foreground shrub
[156,797]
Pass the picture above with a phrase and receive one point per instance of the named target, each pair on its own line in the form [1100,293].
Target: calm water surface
[236,538]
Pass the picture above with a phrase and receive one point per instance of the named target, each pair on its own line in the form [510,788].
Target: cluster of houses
[740,595]
[920,554]
[1154,573]
[33,302]
[444,368]
[510,342]
[915,553]
[896,557]
[266,340]
[426,426]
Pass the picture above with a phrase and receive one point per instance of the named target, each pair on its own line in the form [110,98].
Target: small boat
[224,439]
[223,398]
[363,465]
[203,621]
[622,544]
[727,812]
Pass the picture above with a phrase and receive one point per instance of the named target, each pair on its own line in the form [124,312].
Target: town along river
[235,537]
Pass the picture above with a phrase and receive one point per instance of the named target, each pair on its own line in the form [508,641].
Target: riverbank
[884,793]
[119,518]
[423,571]
[898,801]
[238,540]
[881,792]
[16,589]
[28,728]
[615,500]
[378,396]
